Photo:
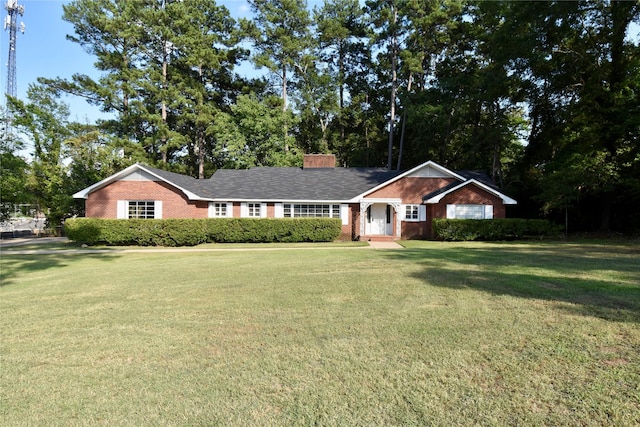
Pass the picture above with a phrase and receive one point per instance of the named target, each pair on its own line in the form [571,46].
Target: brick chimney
[312,161]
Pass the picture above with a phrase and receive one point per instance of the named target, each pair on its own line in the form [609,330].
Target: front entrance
[379,220]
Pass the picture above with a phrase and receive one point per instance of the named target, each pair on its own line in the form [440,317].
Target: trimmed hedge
[191,232]
[493,229]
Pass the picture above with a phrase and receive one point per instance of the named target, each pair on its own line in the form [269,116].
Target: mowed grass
[434,334]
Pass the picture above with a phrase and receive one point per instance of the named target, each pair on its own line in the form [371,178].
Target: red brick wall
[102,203]
[416,230]
[236,209]
[469,195]
[411,190]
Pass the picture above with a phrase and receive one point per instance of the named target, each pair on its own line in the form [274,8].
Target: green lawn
[436,334]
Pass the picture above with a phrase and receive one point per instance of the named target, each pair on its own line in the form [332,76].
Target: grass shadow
[13,265]
[596,280]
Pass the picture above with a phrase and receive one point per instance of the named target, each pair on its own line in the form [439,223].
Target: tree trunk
[163,138]
[284,88]
[341,78]
[404,126]
[285,129]
[200,134]
[394,82]
[200,154]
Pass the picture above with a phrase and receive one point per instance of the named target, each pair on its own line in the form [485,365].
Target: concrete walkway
[385,245]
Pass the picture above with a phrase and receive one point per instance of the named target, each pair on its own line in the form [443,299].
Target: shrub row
[190,232]
[493,229]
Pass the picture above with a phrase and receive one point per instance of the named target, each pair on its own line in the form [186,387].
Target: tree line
[543,96]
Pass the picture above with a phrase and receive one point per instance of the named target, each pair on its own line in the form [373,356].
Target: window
[141,209]
[219,210]
[414,213]
[470,211]
[311,211]
[253,210]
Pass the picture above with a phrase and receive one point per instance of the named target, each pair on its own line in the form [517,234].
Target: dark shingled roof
[294,183]
[200,187]
[468,175]
[478,176]
[266,183]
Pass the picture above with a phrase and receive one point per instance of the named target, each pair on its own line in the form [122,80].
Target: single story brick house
[373,203]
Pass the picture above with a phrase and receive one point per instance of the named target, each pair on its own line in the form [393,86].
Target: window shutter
[230,210]
[158,209]
[344,214]
[263,210]
[451,211]
[210,210]
[422,212]
[121,210]
[278,210]
[488,211]
[244,210]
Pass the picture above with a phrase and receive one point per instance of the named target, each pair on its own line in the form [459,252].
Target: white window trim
[244,210]
[342,208]
[228,209]
[278,210]
[422,213]
[344,214]
[487,212]
[122,209]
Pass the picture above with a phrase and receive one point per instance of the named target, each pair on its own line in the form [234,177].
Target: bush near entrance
[191,232]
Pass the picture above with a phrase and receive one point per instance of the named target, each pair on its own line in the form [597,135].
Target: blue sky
[44,51]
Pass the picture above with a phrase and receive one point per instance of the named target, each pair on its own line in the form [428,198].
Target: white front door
[378,221]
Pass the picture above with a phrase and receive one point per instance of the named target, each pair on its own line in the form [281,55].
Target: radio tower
[11,24]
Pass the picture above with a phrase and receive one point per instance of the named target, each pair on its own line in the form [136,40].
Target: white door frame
[395,203]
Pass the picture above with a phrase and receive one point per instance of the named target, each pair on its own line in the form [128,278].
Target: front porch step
[379,238]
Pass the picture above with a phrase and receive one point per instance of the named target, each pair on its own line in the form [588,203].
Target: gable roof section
[438,195]
[191,187]
[296,184]
[416,171]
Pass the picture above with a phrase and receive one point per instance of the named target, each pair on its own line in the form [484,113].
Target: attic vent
[312,161]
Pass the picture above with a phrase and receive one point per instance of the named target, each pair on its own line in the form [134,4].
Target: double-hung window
[220,210]
[253,210]
[411,212]
[414,213]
